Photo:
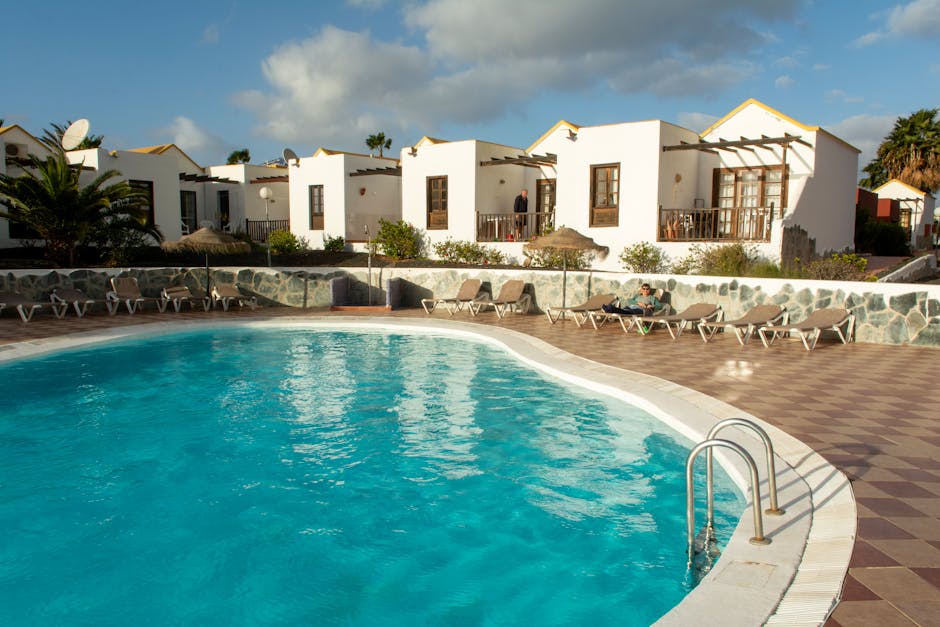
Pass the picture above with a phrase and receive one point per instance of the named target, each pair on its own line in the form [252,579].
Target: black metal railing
[258,230]
[716,223]
[512,227]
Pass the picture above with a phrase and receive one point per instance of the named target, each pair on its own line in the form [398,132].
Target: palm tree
[52,138]
[49,199]
[239,156]
[378,141]
[910,153]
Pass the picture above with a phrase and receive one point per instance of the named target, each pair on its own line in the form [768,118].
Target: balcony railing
[721,224]
[258,229]
[512,227]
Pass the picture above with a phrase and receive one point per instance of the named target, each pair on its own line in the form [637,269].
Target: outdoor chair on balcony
[125,290]
[225,295]
[744,327]
[841,321]
[24,306]
[180,294]
[62,297]
[676,323]
[511,298]
[469,290]
[581,313]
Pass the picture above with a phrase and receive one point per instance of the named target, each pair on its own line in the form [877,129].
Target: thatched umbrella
[564,240]
[207,240]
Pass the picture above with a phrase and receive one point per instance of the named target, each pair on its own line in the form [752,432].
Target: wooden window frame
[315,199]
[762,182]
[146,186]
[193,223]
[436,203]
[607,213]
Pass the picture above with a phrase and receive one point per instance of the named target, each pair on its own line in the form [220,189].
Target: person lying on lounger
[642,304]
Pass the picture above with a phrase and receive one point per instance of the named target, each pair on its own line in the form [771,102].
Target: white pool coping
[796,580]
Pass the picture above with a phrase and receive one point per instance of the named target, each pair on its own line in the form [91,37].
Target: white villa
[916,210]
[340,194]
[755,176]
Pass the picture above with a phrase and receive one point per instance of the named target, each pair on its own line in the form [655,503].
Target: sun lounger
[581,312]
[125,290]
[676,323]
[744,327]
[24,306]
[809,330]
[627,321]
[62,297]
[228,294]
[511,298]
[179,294]
[469,290]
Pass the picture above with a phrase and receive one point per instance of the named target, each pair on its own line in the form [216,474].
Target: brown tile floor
[870,410]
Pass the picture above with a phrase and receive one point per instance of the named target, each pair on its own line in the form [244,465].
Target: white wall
[470,186]
[25,143]
[162,170]
[346,207]
[245,201]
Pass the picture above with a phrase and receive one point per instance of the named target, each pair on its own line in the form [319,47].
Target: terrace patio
[870,410]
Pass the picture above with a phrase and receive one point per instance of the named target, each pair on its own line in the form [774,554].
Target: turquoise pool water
[296,476]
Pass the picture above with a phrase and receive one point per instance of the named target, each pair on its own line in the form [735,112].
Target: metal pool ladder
[708,445]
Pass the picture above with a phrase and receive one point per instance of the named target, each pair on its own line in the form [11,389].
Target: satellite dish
[75,134]
[290,154]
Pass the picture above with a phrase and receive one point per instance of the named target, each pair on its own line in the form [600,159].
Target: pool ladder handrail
[708,445]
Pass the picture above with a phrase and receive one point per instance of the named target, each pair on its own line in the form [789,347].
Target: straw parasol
[207,240]
[564,240]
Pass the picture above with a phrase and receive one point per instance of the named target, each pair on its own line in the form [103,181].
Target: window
[225,212]
[316,207]
[605,194]
[437,202]
[147,204]
[188,209]
[544,203]
[750,187]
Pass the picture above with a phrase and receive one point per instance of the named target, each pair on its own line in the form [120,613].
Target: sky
[217,76]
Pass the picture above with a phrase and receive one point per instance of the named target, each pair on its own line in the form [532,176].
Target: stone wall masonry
[886,313]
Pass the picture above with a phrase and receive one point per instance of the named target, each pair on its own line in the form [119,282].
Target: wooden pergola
[529,161]
[389,171]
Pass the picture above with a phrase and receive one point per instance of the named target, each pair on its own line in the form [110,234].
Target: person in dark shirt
[520,207]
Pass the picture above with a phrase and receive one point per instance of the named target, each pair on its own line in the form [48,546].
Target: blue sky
[215,76]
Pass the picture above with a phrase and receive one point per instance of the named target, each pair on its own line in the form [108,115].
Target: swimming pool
[298,476]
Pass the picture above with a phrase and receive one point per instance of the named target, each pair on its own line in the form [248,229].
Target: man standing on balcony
[520,207]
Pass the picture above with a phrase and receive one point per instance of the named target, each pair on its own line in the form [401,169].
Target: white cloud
[783,82]
[787,62]
[337,86]
[865,132]
[198,143]
[839,95]
[918,19]
[697,121]
[821,67]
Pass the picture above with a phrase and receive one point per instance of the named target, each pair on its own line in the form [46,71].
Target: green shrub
[727,260]
[398,240]
[334,244]
[556,258]
[879,238]
[839,267]
[467,252]
[285,243]
[644,258]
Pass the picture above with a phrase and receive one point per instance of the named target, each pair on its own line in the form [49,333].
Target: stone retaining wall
[887,313]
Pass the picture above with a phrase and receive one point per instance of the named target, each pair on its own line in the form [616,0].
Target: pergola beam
[389,171]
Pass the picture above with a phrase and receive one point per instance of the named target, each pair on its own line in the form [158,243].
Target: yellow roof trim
[430,140]
[4,129]
[770,110]
[910,187]
[159,149]
[328,152]
[558,124]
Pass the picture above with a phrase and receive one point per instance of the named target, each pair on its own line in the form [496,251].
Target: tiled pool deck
[869,410]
